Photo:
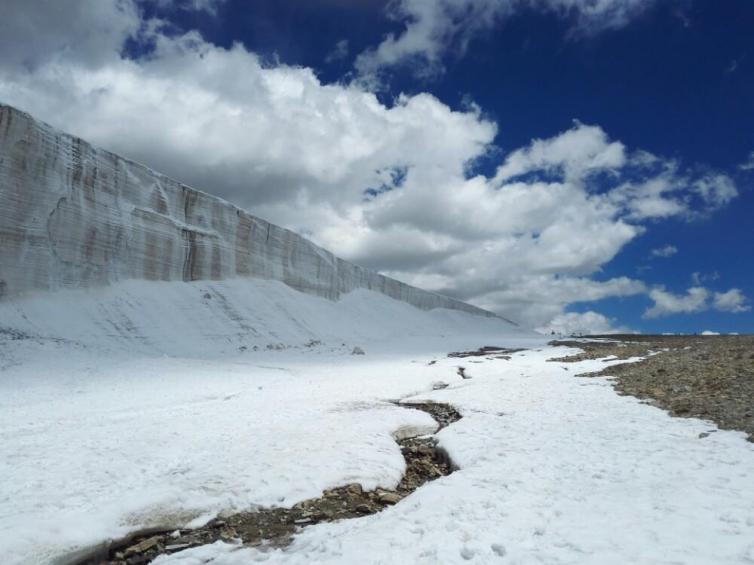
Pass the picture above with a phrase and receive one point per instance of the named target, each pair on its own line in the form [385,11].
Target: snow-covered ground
[157,408]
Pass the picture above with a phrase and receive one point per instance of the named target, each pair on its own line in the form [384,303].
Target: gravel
[708,377]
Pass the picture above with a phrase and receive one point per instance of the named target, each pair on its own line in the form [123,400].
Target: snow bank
[212,318]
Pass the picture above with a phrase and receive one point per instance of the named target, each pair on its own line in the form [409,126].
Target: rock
[302,521]
[228,533]
[682,407]
[354,488]
[143,545]
[177,546]
[389,497]
[364,509]
[357,351]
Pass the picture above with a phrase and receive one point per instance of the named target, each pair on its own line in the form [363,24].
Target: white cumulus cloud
[389,185]
[731,301]
[666,303]
[586,323]
[696,299]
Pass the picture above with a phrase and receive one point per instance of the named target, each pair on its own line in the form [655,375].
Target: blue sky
[577,165]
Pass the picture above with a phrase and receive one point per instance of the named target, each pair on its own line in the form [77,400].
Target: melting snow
[157,409]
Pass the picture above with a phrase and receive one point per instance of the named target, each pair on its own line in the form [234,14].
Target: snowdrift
[211,318]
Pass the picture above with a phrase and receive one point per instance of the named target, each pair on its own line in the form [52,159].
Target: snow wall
[75,216]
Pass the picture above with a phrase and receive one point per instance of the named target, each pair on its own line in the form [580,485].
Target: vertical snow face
[72,215]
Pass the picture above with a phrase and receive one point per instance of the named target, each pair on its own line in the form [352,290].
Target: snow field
[155,408]
[554,469]
[146,403]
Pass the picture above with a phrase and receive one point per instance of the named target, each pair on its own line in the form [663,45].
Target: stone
[143,545]
[302,521]
[354,488]
[357,351]
[389,497]
[228,533]
[177,546]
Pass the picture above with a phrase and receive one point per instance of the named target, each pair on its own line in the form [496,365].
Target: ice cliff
[75,216]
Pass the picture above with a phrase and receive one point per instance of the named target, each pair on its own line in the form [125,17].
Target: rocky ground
[275,526]
[708,377]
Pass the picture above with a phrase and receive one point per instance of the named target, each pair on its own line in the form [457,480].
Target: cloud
[731,301]
[535,300]
[716,190]
[388,185]
[209,6]
[748,165]
[89,33]
[432,28]
[698,279]
[666,303]
[587,323]
[339,52]
[664,252]
[573,154]
[671,191]
[696,299]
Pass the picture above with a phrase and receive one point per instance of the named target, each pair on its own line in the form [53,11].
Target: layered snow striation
[72,216]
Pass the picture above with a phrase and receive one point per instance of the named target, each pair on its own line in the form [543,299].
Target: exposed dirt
[709,377]
[489,351]
[276,526]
